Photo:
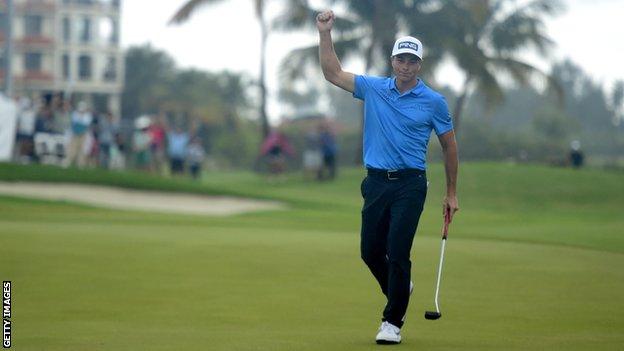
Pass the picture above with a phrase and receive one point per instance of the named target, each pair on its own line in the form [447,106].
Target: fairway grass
[533,262]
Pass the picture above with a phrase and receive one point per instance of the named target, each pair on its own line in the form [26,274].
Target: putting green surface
[533,262]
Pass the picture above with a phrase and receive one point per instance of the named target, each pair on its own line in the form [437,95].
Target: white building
[66,46]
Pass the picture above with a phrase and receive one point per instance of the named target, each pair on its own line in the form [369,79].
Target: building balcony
[37,40]
[30,6]
[99,5]
[30,41]
[35,76]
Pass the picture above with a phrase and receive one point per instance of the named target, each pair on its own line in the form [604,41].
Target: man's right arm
[330,64]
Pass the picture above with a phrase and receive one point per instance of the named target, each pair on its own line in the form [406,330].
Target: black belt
[394,174]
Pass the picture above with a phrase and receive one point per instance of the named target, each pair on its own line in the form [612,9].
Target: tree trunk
[382,36]
[368,59]
[459,104]
[360,149]
[264,120]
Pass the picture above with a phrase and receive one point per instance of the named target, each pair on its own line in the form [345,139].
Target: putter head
[432,315]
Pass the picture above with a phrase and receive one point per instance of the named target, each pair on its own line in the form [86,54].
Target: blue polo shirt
[397,126]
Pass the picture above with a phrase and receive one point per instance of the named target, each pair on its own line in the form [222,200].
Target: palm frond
[185,12]
[292,66]
[297,14]
[522,26]
[544,7]
[521,72]
[516,31]
[363,9]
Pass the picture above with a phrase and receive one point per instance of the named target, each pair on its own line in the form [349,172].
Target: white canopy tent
[8,123]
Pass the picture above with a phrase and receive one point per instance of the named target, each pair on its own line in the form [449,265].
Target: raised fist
[325,21]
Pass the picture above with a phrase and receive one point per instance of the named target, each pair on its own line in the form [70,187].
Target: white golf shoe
[388,334]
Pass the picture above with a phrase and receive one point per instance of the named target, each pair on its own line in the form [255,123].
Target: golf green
[533,262]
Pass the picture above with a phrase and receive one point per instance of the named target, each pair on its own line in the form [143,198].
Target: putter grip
[447,220]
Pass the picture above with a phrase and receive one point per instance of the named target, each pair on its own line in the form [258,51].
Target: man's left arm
[451,164]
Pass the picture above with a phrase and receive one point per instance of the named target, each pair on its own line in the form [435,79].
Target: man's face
[406,67]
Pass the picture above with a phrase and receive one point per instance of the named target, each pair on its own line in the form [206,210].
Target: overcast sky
[225,36]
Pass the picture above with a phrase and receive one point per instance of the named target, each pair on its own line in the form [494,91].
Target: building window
[33,25]
[110,71]
[66,30]
[114,39]
[66,67]
[106,30]
[32,62]
[109,30]
[84,67]
[84,30]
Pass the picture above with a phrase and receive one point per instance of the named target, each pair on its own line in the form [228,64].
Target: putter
[433,315]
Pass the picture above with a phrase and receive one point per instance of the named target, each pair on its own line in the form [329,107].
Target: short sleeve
[442,121]
[362,84]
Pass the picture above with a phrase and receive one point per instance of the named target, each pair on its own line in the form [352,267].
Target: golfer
[400,113]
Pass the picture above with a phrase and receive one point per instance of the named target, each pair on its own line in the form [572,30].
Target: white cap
[408,45]
[142,122]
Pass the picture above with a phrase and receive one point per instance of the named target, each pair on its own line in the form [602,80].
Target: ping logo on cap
[408,45]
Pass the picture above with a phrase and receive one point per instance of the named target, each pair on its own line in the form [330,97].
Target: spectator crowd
[55,131]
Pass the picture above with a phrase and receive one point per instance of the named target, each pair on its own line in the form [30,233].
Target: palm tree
[485,38]
[191,6]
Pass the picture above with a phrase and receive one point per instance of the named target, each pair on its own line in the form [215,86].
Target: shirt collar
[415,90]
